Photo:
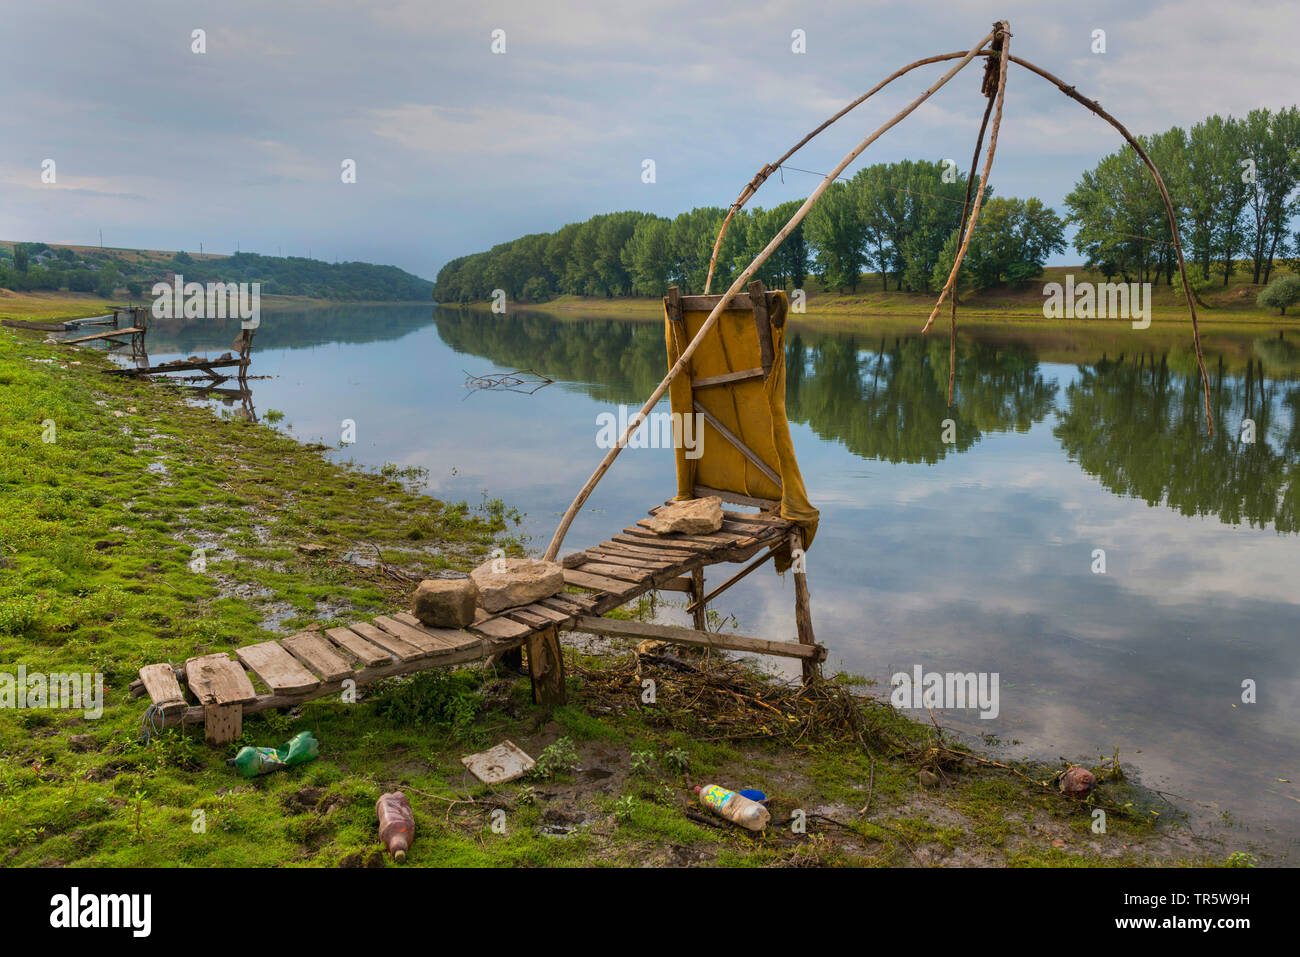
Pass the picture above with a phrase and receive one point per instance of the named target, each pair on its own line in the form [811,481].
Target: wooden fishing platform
[132,335]
[216,690]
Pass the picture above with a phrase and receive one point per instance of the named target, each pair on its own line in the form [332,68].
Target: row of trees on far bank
[1235,185]
[896,219]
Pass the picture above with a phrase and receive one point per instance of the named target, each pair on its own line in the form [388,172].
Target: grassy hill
[44,280]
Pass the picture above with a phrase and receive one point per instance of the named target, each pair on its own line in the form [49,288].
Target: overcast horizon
[457,148]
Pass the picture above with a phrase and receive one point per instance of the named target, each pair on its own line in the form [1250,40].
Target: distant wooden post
[803,609]
[546,668]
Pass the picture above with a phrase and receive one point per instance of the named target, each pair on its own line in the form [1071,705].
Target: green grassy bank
[1221,305]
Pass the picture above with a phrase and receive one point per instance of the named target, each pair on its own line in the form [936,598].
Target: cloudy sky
[458,148]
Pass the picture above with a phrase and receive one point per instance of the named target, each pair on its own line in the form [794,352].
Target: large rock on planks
[696,516]
[509,582]
[445,602]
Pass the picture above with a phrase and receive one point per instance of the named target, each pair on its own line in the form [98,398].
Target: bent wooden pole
[1003,50]
[1132,141]
[558,539]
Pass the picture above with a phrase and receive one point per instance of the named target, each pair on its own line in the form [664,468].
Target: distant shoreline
[43,305]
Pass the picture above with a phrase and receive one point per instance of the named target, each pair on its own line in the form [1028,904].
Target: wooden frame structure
[242,347]
[132,336]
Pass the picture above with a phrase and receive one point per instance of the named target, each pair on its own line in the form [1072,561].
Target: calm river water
[976,555]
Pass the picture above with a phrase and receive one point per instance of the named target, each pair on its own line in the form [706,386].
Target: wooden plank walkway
[316,663]
[109,334]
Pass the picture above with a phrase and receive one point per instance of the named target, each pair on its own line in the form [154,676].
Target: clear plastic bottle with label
[736,808]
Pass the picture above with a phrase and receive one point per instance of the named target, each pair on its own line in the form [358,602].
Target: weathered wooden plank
[727,378]
[708,541]
[741,300]
[768,504]
[675,584]
[621,572]
[630,561]
[423,639]
[104,335]
[316,652]
[532,619]
[725,535]
[749,518]
[453,636]
[762,325]
[160,681]
[644,554]
[364,652]
[633,535]
[501,628]
[596,582]
[565,604]
[747,530]
[279,670]
[215,679]
[639,630]
[673,304]
[404,650]
[545,611]
[656,547]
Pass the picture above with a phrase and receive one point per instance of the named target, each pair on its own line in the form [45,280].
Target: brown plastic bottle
[396,823]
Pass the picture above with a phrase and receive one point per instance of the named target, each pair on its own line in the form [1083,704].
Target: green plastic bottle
[250,761]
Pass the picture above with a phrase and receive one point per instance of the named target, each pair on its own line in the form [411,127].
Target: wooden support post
[546,668]
[697,596]
[762,325]
[803,605]
[222,723]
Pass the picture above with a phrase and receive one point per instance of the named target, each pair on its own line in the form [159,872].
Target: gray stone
[445,602]
[696,516]
[510,582]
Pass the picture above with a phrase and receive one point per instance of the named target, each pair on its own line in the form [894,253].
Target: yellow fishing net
[751,409]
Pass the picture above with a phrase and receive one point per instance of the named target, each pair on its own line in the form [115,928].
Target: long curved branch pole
[558,538]
[1095,107]
[1002,54]
[965,208]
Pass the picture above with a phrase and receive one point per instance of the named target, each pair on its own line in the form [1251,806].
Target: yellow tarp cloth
[753,410]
